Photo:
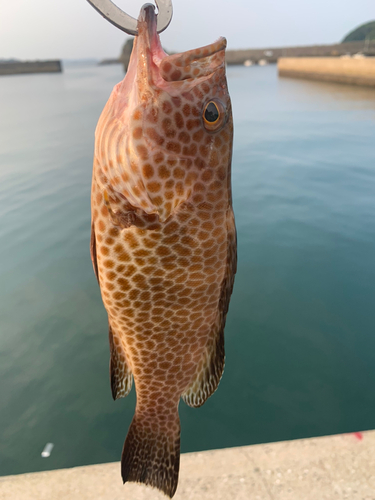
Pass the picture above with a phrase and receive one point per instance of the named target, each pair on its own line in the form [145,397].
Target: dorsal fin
[209,372]
[93,251]
[211,368]
[120,373]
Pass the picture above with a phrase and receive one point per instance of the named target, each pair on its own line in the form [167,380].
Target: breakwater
[334,69]
[272,54]
[21,67]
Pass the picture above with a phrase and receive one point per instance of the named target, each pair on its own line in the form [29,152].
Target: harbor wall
[272,54]
[333,69]
[326,468]
[20,67]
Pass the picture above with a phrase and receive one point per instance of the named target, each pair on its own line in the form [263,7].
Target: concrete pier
[349,70]
[327,468]
[272,54]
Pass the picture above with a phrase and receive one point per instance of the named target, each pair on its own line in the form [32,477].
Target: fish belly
[161,286]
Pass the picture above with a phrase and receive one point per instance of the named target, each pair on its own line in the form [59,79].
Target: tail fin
[152,457]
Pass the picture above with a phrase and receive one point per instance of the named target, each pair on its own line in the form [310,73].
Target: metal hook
[126,23]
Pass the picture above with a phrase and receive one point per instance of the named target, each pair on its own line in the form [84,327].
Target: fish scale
[163,241]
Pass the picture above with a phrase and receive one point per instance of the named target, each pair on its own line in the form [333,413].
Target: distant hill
[363,32]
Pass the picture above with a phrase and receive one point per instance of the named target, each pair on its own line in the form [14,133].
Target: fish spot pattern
[165,246]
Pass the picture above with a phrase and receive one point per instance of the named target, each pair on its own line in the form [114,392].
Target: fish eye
[214,115]
[211,113]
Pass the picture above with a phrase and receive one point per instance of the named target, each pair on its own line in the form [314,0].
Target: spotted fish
[163,240]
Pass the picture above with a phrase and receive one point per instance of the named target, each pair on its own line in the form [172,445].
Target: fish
[163,240]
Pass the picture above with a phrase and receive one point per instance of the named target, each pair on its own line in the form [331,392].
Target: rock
[126,52]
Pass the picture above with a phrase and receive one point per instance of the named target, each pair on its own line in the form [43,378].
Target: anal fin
[120,373]
[208,373]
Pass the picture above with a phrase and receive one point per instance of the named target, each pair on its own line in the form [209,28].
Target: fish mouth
[147,50]
[194,64]
[155,68]
[147,31]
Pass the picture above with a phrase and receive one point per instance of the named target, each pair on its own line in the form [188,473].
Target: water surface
[300,337]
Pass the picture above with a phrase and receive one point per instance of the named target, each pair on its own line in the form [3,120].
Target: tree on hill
[363,32]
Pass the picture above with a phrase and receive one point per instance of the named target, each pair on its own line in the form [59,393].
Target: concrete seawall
[272,54]
[342,70]
[21,67]
[328,468]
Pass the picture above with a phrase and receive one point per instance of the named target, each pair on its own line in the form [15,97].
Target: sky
[72,29]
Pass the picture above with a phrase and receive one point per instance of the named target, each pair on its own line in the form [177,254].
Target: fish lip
[147,15]
[147,12]
[149,48]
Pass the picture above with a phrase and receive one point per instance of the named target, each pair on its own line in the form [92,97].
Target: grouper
[163,241]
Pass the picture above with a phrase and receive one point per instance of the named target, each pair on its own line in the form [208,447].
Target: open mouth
[155,63]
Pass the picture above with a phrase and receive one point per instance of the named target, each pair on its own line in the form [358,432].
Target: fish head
[167,127]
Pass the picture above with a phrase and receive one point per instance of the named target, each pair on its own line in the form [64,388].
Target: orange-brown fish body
[163,240]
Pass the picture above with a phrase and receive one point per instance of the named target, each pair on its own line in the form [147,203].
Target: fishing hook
[126,23]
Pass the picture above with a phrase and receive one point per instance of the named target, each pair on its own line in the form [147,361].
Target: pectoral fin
[119,370]
[123,219]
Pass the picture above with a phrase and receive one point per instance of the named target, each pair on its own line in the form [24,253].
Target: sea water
[300,335]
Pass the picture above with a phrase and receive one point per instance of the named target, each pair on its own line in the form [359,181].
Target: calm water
[300,336]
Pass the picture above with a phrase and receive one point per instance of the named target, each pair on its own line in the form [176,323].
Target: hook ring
[127,23]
